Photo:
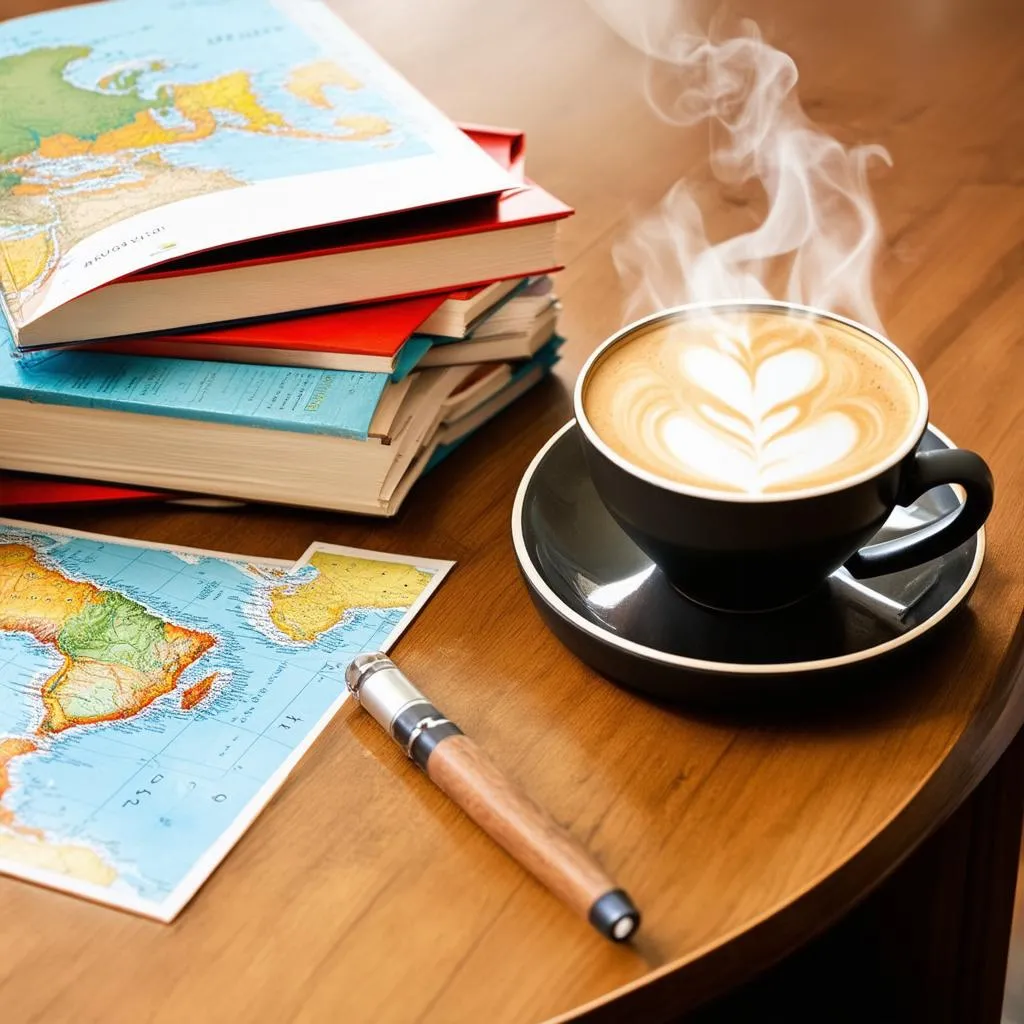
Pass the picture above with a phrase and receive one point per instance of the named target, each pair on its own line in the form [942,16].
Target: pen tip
[615,916]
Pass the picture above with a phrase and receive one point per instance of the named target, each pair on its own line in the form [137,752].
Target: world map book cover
[132,133]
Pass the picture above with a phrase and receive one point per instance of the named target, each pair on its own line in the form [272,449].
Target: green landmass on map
[114,629]
[37,101]
[117,656]
[51,199]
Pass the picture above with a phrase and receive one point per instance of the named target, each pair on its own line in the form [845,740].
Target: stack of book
[240,256]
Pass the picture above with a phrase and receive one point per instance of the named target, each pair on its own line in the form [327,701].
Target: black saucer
[613,608]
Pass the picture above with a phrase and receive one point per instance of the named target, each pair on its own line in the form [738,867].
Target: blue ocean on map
[25,664]
[152,793]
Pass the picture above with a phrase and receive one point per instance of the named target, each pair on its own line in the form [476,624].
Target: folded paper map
[153,698]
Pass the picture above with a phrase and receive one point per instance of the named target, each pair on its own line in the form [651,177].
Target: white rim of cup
[767,305]
[606,637]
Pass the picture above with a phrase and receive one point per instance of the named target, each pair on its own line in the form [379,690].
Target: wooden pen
[457,766]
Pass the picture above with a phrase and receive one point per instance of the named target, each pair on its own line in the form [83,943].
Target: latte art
[752,402]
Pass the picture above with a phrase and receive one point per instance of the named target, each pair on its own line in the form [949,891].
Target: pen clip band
[419,728]
[425,723]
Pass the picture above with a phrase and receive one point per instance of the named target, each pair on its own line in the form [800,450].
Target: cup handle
[928,470]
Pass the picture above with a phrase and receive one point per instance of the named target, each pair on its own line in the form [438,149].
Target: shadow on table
[855,698]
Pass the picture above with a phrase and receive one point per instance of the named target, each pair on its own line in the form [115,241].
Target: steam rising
[819,237]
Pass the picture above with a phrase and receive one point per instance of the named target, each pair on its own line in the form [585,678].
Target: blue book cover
[334,402]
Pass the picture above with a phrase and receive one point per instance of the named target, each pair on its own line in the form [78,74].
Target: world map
[151,699]
[107,112]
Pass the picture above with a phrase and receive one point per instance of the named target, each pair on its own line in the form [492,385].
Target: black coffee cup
[758,552]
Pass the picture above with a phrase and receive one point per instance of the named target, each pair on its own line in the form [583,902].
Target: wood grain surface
[361,893]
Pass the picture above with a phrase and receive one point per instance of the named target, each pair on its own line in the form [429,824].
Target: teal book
[335,402]
[410,355]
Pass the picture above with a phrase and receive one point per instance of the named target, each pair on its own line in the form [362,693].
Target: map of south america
[151,698]
[118,658]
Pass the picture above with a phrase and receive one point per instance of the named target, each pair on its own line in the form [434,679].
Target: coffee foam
[752,402]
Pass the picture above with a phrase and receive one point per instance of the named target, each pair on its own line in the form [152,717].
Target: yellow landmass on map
[24,260]
[9,750]
[74,861]
[232,94]
[35,599]
[364,126]
[309,82]
[117,656]
[304,611]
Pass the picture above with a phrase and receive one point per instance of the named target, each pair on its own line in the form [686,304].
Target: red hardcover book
[371,338]
[374,333]
[18,491]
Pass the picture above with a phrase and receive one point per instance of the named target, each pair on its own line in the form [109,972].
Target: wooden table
[361,895]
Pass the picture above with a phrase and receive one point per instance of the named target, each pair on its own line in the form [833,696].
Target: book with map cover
[375,336]
[155,698]
[141,141]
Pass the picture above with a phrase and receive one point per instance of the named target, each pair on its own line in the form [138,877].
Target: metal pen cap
[390,692]
[393,702]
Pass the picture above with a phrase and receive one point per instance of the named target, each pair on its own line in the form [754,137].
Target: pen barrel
[459,768]
[470,778]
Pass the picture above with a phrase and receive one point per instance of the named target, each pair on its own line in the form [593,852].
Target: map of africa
[107,112]
[152,699]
